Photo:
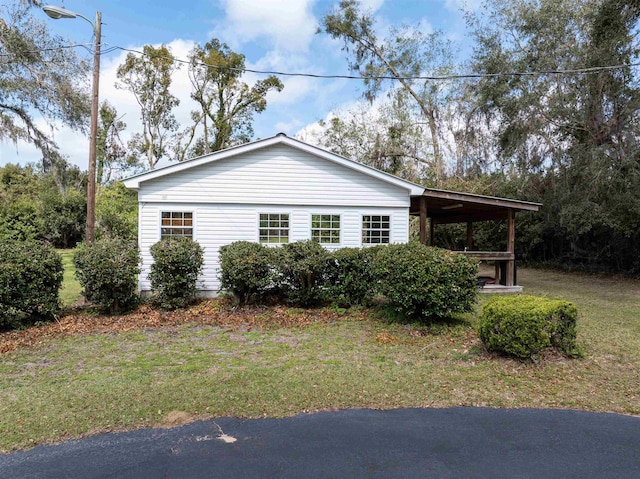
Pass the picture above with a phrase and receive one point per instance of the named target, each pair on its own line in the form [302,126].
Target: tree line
[538,119]
[545,109]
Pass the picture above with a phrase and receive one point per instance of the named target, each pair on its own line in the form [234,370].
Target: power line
[87,47]
[459,76]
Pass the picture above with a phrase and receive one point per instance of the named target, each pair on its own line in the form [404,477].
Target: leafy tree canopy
[39,75]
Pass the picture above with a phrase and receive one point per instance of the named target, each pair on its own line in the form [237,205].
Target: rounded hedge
[524,325]
[350,279]
[425,282]
[246,270]
[108,271]
[30,279]
[177,263]
[301,270]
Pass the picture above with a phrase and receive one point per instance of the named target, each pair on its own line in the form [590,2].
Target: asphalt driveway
[406,443]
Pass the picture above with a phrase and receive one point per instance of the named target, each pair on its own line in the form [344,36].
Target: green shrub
[301,269]
[108,272]
[424,282]
[246,270]
[30,280]
[350,276]
[177,262]
[524,325]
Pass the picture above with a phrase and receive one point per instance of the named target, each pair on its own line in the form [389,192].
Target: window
[375,229]
[274,228]
[325,229]
[176,223]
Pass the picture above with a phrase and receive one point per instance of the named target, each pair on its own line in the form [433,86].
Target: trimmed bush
[424,282]
[30,280]
[301,269]
[108,272]
[177,262]
[522,326]
[246,270]
[350,276]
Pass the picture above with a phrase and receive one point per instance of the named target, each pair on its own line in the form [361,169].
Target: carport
[435,207]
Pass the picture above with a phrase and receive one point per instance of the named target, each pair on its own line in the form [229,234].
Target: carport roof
[456,207]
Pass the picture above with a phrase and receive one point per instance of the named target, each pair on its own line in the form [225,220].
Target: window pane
[325,228]
[274,228]
[176,223]
[376,229]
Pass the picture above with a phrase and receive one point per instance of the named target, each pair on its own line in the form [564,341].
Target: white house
[275,190]
[280,190]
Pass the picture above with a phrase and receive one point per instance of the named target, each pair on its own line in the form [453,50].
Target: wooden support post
[470,235]
[511,239]
[423,220]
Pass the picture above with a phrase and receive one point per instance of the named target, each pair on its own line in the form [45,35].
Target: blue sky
[272,34]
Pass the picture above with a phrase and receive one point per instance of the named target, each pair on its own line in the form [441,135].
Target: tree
[117,212]
[568,140]
[406,53]
[388,137]
[227,103]
[39,75]
[111,154]
[148,77]
[38,205]
[19,215]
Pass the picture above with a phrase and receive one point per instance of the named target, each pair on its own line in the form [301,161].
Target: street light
[58,13]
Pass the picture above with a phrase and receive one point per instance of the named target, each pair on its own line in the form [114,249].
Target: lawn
[71,289]
[151,369]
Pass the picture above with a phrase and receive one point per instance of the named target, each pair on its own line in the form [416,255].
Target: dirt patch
[176,418]
[218,312]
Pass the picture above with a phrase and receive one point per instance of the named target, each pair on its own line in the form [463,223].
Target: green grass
[81,385]
[71,290]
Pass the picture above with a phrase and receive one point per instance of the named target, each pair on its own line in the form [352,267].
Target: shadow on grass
[435,326]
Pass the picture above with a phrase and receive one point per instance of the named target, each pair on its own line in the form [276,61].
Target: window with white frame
[274,228]
[375,229]
[325,229]
[176,223]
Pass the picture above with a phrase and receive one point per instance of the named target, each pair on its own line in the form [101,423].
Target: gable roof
[134,182]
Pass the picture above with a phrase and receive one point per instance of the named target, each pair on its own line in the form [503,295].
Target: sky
[274,35]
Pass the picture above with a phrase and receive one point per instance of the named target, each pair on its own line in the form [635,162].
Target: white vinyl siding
[276,175]
[217,225]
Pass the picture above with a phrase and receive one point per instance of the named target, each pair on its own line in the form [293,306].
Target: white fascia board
[134,181]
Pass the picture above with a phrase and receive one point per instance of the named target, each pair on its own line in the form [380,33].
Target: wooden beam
[488,255]
[511,240]
[423,220]
[443,218]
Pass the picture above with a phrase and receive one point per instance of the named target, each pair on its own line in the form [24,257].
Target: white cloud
[456,6]
[286,24]
[372,5]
